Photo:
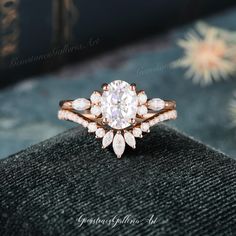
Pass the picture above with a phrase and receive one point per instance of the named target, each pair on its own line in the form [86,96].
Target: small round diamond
[145,127]
[119,104]
[152,122]
[96,110]
[130,139]
[100,133]
[142,110]
[85,123]
[78,120]
[95,97]
[92,127]
[142,98]
[137,132]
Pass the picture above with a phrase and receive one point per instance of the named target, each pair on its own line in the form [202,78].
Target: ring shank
[170,104]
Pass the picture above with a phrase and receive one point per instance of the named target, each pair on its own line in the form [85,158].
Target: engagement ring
[118,114]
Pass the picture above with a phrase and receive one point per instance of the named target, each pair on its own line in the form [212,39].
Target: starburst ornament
[208,54]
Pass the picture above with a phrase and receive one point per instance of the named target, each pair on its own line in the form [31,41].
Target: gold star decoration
[209,54]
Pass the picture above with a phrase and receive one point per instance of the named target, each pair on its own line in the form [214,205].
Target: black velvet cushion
[188,188]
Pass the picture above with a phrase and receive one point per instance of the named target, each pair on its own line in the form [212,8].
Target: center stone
[119,104]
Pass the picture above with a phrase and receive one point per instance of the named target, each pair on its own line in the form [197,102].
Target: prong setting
[104,121]
[105,87]
[132,121]
[133,87]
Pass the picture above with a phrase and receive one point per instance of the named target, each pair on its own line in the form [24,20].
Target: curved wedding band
[118,114]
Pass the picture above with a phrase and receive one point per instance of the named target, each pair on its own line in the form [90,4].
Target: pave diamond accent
[119,104]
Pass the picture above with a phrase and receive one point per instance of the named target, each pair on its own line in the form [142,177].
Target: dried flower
[208,54]
[229,36]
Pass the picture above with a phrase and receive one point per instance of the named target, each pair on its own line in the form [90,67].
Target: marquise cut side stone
[156,104]
[107,139]
[81,104]
[119,145]
[130,139]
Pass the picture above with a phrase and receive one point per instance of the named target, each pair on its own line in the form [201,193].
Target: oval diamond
[119,104]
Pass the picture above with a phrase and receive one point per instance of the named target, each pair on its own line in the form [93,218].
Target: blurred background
[59,49]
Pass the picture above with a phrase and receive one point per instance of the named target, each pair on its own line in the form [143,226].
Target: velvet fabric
[169,185]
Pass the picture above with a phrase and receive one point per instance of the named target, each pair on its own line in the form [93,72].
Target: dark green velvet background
[28,111]
[189,188]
